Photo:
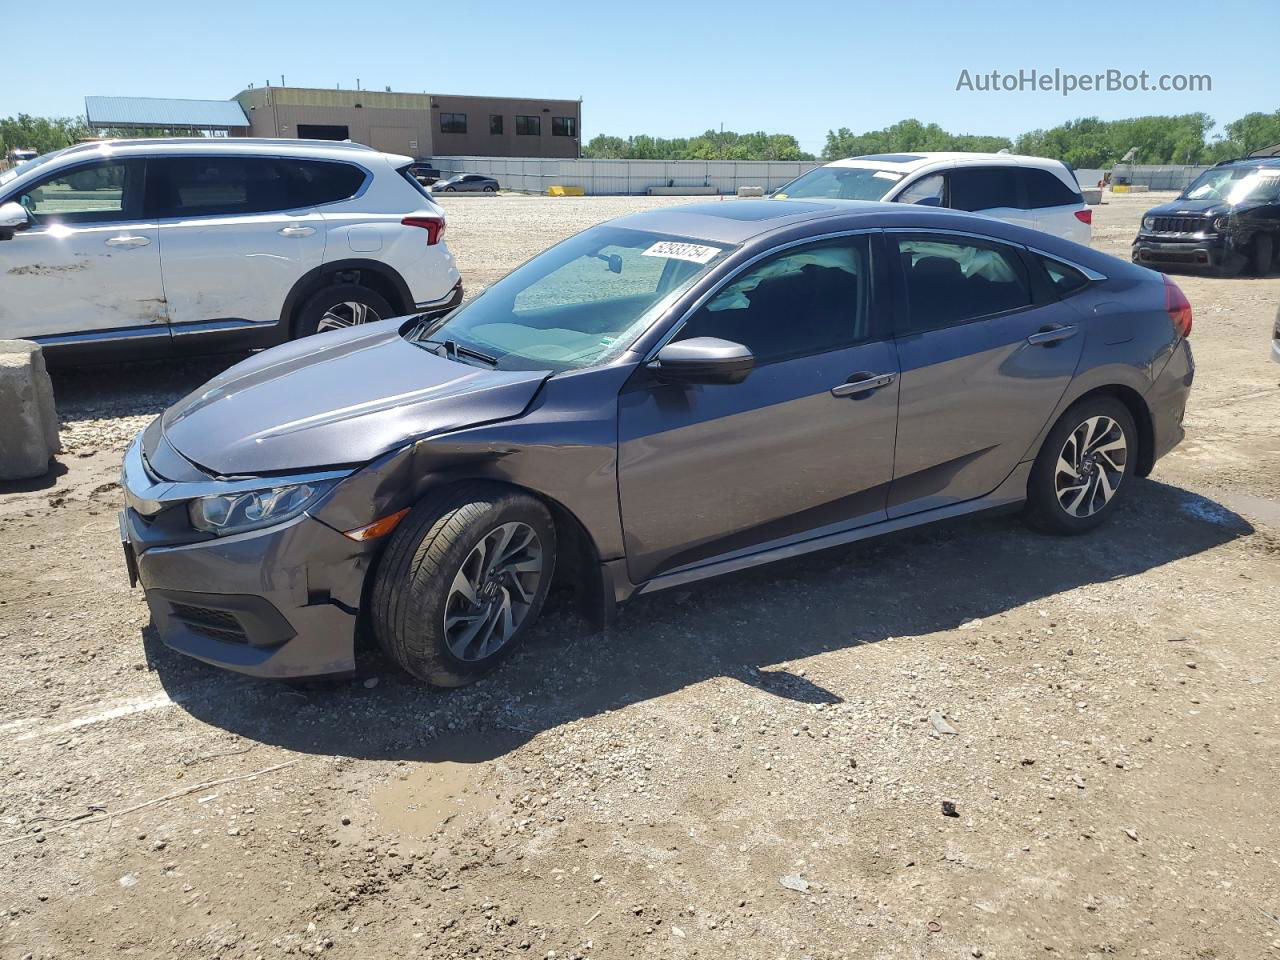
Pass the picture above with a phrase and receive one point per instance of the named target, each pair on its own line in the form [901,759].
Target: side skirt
[1009,493]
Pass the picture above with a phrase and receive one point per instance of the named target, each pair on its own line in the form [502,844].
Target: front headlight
[1148,223]
[224,514]
[1221,223]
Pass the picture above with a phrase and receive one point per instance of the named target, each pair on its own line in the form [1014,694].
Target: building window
[495,123]
[453,123]
[528,126]
[564,126]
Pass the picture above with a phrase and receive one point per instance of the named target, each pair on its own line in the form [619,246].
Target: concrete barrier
[751,191]
[682,191]
[28,420]
[1092,197]
[559,191]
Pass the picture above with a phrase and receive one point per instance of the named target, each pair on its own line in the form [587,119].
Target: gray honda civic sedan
[662,398]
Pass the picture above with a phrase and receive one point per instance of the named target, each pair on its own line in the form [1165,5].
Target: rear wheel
[462,579]
[490,189]
[1083,467]
[340,306]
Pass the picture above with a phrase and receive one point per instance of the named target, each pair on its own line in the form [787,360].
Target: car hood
[1184,208]
[344,397]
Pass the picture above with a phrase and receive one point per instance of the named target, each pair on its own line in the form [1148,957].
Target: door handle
[297,230]
[1048,336]
[866,383]
[128,241]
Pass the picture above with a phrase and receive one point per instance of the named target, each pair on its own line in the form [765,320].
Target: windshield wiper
[453,350]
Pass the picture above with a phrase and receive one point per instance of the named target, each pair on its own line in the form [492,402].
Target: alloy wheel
[492,592]
[1090,466]
[346,314]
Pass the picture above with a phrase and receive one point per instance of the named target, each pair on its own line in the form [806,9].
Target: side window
[951,281]
[801,302]
[927,190]
[92,193]
[1045,190]
[213,186]
[1065,279]
[322,181]
[982,188]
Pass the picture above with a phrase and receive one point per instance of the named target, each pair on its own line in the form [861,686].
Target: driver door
[709,471]
[89,263]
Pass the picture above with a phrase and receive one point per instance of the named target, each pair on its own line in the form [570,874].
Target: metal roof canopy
[161,112]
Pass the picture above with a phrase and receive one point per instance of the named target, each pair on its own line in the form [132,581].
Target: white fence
[1157,177]
[627,176]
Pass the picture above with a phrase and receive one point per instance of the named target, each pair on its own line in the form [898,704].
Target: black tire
[412,587]
[1048,486]
[450,189]
[322,301]
[490,189]
[1261,255]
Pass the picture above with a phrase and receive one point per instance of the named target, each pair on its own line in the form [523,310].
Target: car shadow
[744,628]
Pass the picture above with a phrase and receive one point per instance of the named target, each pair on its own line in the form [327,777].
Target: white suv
[213,244]
[1029,191]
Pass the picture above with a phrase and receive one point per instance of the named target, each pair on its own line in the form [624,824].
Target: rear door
[235,235]
[1055,205]
[985,361]
[713,470]
[88,263]
[993,190]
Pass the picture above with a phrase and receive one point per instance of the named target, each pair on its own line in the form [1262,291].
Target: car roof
[910,162]
[256,146]
[1252,162]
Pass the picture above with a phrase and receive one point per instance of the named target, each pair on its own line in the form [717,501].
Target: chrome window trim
[1090,273]
[698,304]
[148,497]
[160,330]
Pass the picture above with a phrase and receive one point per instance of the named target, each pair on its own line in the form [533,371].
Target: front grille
[1175,256]
[216,624]
[1178,224]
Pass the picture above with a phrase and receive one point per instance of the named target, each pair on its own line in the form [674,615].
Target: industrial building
[416,124]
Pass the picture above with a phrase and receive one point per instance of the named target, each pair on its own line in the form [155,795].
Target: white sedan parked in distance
[128,248]
[1030,191]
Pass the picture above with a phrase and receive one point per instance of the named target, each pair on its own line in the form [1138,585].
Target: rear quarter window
[1045,190]
[1065,279]
[983,188]
[317,182]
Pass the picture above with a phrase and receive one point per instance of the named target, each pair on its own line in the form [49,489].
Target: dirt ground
[747,769]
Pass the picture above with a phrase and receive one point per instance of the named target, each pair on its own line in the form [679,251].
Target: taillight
[1178,307]
[1085,215]
[433,225]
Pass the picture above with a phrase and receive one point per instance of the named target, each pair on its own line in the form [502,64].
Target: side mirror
[13,216]
[703,360]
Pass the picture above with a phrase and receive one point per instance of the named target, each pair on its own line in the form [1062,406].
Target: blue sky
[662,68]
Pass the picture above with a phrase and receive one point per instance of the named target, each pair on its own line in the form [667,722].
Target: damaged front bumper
[281,601]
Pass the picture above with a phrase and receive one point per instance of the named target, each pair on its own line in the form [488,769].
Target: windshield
[1235,184]
[580,303]
[13,172]
[841,183]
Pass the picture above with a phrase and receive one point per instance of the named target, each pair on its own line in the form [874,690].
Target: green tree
[41,134]
[711,145]
[906,136]
[1251,132]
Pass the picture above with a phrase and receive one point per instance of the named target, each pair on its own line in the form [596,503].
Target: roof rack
[205,141]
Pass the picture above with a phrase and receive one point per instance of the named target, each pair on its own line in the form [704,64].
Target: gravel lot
[757,767]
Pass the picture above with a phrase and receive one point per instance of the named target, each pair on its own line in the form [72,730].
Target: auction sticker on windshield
[672,250]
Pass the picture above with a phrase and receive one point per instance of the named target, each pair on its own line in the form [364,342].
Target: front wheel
[1083,467]
[462,579]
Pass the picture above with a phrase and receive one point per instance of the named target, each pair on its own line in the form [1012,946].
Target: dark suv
[1227,220]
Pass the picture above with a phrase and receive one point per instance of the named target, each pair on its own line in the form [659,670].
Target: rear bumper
[1167,400]
[280,602]
[443,305]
